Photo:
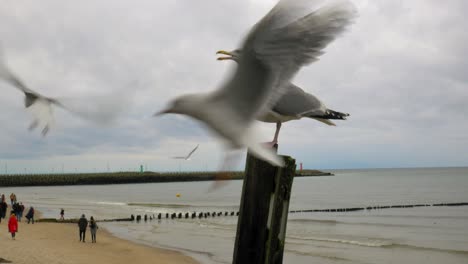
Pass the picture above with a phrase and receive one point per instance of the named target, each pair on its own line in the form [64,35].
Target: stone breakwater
[127,177]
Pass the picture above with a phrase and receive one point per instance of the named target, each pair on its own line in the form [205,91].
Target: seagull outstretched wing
[191,152]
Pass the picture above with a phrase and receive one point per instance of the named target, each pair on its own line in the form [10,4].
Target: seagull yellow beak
[227,53]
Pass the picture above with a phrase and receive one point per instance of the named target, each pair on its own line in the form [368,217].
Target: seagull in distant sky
[188,155]
[275,49]
[293,105]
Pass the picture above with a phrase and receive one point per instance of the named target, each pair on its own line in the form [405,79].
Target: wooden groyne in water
[378,207]
[126,177]
[199,215]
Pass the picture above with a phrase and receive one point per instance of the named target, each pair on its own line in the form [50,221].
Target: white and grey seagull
[293,105]
[273,52]
[188,155]
[40,106]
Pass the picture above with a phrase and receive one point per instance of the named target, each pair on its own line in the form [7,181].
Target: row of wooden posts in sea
[181,215]
[199,215]
[353,209]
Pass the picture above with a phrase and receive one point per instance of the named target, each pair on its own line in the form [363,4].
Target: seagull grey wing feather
[10,78]
[296,102]
[301,41]
[286,49]
[31,95]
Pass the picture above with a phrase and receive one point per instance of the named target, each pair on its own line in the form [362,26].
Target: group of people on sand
[16,213]
[15,207]
[82,226]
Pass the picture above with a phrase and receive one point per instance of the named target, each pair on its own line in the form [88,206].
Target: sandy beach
[59,243]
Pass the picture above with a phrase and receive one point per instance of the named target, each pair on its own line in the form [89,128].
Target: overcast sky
[401,71]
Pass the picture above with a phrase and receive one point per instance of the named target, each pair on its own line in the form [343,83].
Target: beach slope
[55,243]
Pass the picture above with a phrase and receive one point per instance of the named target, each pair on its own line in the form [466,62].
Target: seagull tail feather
[329,114]
[325,121]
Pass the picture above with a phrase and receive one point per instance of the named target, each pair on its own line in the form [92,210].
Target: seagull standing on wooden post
[275,49]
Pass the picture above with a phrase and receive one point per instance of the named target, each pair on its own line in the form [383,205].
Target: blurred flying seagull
[293,105]
[40,106]
[272,53]
[188,155]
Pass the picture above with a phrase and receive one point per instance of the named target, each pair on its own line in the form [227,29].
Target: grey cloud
[400,72]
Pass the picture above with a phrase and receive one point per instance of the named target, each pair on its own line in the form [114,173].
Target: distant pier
[18,180]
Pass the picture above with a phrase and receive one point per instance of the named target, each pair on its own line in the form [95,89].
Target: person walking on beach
[13,225]
[12,198]
[82,224]
[30,215]
[20,211]
[62,213]
[4,208]
[15,208]
[93,227]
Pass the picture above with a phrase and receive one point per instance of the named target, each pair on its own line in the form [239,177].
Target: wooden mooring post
[261,227]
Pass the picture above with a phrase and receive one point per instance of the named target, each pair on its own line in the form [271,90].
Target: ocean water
[400,235]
